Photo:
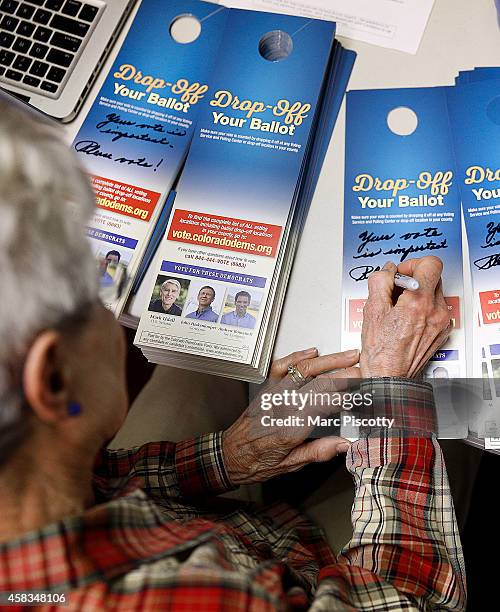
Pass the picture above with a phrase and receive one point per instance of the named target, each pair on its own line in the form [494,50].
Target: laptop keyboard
[41,40]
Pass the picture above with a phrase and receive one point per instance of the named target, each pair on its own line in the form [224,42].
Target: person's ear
[45,377]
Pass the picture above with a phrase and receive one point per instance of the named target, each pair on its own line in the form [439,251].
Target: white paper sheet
[394,24]
[492,443]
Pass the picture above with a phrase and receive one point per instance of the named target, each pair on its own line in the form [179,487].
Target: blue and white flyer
[137,133]
[238,188]
[401,201]
[475,119]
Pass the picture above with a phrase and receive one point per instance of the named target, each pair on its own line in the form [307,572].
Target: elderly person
[169,293]
[146,528]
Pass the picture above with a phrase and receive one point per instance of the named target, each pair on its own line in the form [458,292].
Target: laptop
[52,50]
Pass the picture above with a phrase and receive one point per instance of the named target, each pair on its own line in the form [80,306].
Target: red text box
[490,306]
[355,318]
[355,313]
[453,304]
[226,233]
[124,199]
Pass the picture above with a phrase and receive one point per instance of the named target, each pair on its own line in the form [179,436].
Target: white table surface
[460,35]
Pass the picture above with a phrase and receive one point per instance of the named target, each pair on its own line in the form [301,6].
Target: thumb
[316,451]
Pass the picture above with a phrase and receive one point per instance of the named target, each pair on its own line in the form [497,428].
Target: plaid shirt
[158,537]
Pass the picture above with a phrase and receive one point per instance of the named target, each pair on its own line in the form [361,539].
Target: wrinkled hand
[254,453]
[400,335]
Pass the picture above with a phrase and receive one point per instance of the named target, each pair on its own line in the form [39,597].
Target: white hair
[47,271]
[171,281]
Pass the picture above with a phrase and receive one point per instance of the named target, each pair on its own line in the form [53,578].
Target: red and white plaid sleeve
[405,552]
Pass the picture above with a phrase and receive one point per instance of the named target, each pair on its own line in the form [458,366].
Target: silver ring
[296,376]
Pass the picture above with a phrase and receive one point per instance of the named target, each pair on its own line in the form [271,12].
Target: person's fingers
[435,335]
[322,395]
[429,296]
[280,367]
[440,339]
[327,363]
[425,350]
[436,326]
[439,296]
[426,270]
[379,303]
[442,304]
[438,293]
[381,285]
[336,381]
[315,451]
[352,372]
[390,266]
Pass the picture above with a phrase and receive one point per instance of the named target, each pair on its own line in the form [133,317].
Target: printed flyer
[476,136]
[239,187]
[401,201]
[136,136]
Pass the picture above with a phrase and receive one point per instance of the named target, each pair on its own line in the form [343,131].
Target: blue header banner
[213,274]
[123,241]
